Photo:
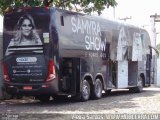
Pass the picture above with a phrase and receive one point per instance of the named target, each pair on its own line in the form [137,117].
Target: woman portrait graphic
[25,33]
[122,47]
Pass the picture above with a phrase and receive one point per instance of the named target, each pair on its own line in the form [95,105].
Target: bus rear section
[29,68]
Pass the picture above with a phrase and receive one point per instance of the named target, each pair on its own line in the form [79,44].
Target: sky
[138,10]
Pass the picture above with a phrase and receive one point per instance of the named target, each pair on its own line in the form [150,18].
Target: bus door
[150,65]
[148,69]
[119,74]
[70,75]
[122,74]
[113,74]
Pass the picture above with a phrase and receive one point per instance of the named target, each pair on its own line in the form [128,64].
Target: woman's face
[26,27]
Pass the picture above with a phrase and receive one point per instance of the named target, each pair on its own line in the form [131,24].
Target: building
[158,72]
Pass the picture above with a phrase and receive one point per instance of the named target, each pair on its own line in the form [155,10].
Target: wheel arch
[89,78]
[143,78]
[101,77]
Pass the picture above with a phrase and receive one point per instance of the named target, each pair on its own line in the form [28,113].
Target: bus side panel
[79,42]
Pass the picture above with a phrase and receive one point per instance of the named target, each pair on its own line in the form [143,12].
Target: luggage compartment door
[70,76]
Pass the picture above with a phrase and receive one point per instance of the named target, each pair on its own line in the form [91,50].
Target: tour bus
[58,53]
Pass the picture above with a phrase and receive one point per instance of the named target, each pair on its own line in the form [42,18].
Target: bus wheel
[97,92]
[85,93]
[139,87]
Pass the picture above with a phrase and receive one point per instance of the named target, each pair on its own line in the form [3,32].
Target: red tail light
[51,71]
[6,76]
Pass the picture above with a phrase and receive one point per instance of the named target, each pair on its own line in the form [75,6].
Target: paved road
[118,102]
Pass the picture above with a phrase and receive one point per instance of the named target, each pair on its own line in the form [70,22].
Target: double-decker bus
[49,52]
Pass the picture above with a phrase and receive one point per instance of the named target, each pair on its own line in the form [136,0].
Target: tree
[86,6]
[158,47]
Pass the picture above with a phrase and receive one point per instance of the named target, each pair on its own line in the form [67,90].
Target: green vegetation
[87,6]
[158,47]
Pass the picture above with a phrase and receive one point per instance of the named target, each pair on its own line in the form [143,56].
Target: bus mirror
[155,49]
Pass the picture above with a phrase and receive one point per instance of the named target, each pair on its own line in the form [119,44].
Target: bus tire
[139,87]
[97,91]
[85,92]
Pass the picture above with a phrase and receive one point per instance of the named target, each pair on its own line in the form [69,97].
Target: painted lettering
[103,45]
[95,43]
[85,26]
[73,20]
[92,32]
[87,43]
